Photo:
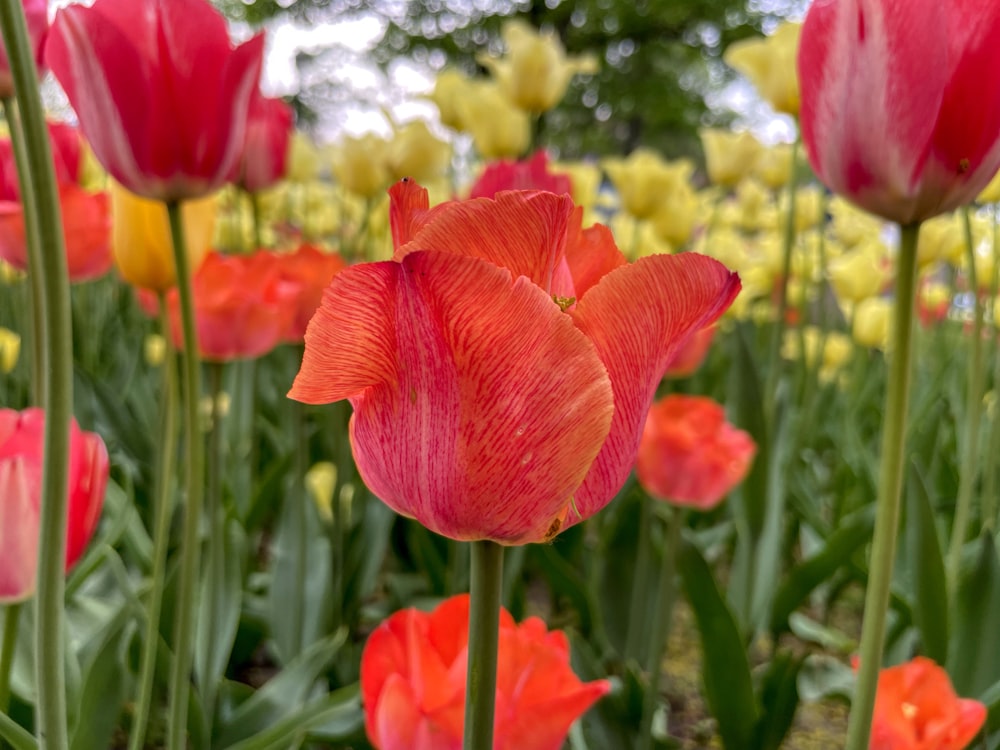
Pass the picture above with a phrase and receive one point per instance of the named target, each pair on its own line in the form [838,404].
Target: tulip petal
[19,518]
[637,329]
[478,405]
[591,254]
[524,232]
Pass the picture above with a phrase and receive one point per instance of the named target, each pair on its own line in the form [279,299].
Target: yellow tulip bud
[450,88]
[10,275]
[535,73]
[498,129]
[850,224]
[729,156]
[645,181]
[872,318]
[10,349]
[773,166]
[154,349]
[859,273]
[359,164]
[303,158]
[417,153]
[321,481]
[941,239]
[585,179]
[770,65]
[141,241]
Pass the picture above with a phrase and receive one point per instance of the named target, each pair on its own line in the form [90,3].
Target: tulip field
[457,440]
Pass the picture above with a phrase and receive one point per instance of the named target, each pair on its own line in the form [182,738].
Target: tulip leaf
[367,547]
[281,696]
[841,545]
[337,716]
[930,611]
[780,700]
[726,669]
[974,649]
[620,562]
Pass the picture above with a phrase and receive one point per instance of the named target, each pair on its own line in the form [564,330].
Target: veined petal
[591,254]
[637,328]
[479,407]
[408,209]
[524,232]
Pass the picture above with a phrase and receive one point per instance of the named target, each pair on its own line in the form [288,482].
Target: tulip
[643,180]
[307,272]
[729,157]
[161,95]
[871,322]
[415,152]
[530,174]
[769,63]
[36,16]
[413,671]
[893,116]
[21,469]
[859,273]
[265,152]
[498,129]
[10,349]
[141,242]
[689,454]
[450,89]
[934,301]
[773,166]
[359,164]
[242,309]
[916,709]
[500,366]
[535,73]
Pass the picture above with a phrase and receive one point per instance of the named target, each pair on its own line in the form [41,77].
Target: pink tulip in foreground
[413,682]
[265,153]
[36,16]
[161,94]
[500,367]
[20,497]
[898,107]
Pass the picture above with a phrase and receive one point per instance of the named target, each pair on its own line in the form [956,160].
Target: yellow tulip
[644,180]
[859,273]
[941,239]
[872,318]
[321,482]
[498,129]
[830,352]
[303,158]
[677,217]
[10,349]
[585,179]
[535,73]
[359,164]
[450,88]
[773,165]
[140,237]
[636,238]
[729,156]
[770,65]
[850,224]
[416,152]
[154,349]
[754,209]
[991,193]
[10,275]
[809,207]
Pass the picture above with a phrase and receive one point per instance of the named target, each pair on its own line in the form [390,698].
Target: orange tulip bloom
[689,455]
[916,709]
[307,272]
[413,682]
[500,367]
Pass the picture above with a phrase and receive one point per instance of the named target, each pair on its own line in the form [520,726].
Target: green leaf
[726,669]
[619,562]
[281,696]
[779,696]
[805,577]
[930,610]
[974,649]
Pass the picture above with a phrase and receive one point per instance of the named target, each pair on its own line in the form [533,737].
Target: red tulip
[162,96]
[499,380]
[86,232]
[689,455]
[894,115]
[916,709]
[21,436]
[413,682]
[36,15]
[265,153]
[531,174]
[242,309]
[307,272]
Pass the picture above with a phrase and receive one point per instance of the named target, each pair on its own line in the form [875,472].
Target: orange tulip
[916,709]
[413,682]
[689,455]
[500,367]
[307,272]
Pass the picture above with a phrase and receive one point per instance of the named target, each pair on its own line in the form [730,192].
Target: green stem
[640,590]
[990,471]
[889,492]
[788,244]
[11,615]
[661,625]
[57,390]
[29,212]
[180,677]
[18,737]
[163,504]
[300,509]
[484,639]
[973,410]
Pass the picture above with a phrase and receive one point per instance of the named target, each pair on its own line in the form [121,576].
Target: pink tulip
[36,15]
[161,94]
[500,367]
[265,153]
[530,174]
[899,112]
[21,436]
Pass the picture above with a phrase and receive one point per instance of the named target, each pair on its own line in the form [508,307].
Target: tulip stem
[11,615]
[180,678]
[484,638]
[989,512]
[788,244]
[30,213]
[15,734]
[889,493]
[661,624]
[640,589]
[973,410]
[57,387]
[162,499]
